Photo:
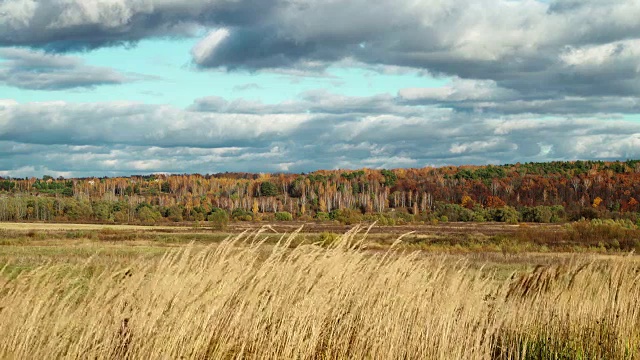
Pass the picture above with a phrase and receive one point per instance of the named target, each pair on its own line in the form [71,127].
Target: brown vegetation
[242,299]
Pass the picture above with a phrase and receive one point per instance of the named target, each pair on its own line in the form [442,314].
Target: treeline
[531,192]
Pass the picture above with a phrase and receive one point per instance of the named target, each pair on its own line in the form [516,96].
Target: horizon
[303,173]
[113,88]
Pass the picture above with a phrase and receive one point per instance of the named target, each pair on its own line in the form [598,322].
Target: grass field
[90,291]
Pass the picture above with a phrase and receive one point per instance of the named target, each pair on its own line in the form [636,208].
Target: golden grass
[240,299]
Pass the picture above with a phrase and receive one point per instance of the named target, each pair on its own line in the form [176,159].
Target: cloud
[137,124]
[36,70]
[73,25]
[460,90]
[485,96]
[532,47]
[248,86]
[530,81]
[206,48]
[510,42]
[315,101]
[318,130]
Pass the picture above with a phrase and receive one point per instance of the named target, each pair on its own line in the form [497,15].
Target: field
[447,291]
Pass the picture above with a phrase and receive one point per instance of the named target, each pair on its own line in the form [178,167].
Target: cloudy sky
[118,87]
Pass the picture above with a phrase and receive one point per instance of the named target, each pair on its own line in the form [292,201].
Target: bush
[588,213]
[538,214]
[558,213]
[346,216]
[218,219]
[455,212]
[305,218]
[148,215]
[322,216]
[610,234]
[241,215]
[174,213]
[479,217]
[284,216]
[380,219]
[327,238]
[505,214]
[102,210]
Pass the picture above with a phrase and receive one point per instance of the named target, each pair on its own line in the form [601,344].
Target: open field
[586,236]
[313,291]
[42,226]
[308,227]
[255,297]
[26,246]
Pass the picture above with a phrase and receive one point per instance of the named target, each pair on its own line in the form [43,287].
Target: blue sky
[170,77]
[119,87]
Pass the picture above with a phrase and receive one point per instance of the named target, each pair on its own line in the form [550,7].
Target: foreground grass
[242,299]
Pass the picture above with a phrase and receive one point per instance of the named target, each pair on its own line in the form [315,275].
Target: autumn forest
[532,192]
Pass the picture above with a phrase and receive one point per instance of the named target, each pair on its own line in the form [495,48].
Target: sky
[122,87]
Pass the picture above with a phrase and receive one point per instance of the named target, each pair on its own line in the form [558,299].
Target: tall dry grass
[243,299]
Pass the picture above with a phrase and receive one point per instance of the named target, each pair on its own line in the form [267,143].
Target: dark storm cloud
[526,46]
[35,70]
[564,47]
[88,24]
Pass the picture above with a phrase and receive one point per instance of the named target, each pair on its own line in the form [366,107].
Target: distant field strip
[67,227]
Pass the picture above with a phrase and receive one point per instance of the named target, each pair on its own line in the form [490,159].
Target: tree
[255,208]
[390,177]
[268,188]
[102,210]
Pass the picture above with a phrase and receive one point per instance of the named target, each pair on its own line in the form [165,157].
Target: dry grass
[240,299]
[69,227]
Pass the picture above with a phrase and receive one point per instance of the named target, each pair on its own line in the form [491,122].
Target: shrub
[322,216]
[455,212]
[148,215]
[505,214]
[102,210]
[284,216]
[538,214]
[346,216]
[241,215]
[610,234]
[175,213]
[386,220]
[327,238]
[219,219]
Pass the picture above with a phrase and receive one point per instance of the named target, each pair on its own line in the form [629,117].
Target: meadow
[165,293]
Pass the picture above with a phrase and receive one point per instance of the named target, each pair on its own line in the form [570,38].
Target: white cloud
[127,138]
[7,103]
[37,70]
[206,47]
[601,55]
[459,90]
